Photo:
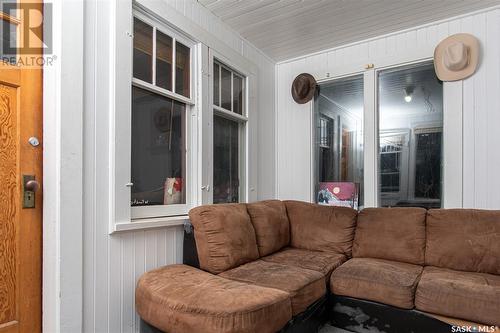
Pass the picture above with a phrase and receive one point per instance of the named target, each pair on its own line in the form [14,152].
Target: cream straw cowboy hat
[456,57]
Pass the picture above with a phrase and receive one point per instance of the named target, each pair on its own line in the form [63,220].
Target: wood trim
[8,18]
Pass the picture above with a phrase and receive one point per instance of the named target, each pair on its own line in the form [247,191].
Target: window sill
[142,224]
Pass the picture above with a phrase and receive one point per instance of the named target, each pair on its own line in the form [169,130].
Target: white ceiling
[285,29]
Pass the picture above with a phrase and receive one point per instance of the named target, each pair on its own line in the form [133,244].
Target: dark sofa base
[358,315]
[354,315]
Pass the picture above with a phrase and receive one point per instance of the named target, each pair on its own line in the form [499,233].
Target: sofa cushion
[470,296]
[464,239]
[378,280]
[321,228]
[271,225]
[323,262]
[391,233]
[225,237]
[184,299]
[304,286]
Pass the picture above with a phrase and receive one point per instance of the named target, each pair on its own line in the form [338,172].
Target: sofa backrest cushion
[225,237]
[464,239]
[321,228]
[271,225]
[391,233]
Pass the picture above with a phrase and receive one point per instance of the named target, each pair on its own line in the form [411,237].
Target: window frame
[452,194]
[139,213]
[424,128]
[114,122]
[243,121]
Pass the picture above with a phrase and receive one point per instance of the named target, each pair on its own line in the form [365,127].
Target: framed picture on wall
[344,194]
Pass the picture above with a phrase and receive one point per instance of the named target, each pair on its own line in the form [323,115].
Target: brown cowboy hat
[303,88]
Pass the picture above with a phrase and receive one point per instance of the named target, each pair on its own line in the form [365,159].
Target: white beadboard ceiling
[285,29]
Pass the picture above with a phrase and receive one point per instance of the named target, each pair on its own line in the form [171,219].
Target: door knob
[32,185]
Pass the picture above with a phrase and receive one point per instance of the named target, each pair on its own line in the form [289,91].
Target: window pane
[428,165]
[143,50]
[158,149]
[226,88]
[8,46]
[226,160]
[338,114]
[182,72]
[216,84]
[163,60]
[238,94]
[410,137]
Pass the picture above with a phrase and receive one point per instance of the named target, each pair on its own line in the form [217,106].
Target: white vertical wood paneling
[113,263]
[452,130]
[481,103]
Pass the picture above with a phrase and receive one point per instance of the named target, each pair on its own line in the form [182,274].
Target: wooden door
[20,228]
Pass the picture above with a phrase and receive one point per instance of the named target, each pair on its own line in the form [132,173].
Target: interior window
[229,124]
[143,50]
[410,136]
[226,161]
[182,69]
[158,146]
[159,124]
[164,52]
[338,114]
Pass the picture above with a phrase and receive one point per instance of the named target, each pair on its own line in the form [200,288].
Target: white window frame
[156,211]
[118,125]
[452,194]
[243,121]
[122,215]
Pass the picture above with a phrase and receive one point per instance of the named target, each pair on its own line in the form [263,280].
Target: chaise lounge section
[277,265]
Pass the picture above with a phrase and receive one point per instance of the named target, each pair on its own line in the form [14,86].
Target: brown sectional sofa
[265,263]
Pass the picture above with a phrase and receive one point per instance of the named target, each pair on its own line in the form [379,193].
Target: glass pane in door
[338,114]
[410,136]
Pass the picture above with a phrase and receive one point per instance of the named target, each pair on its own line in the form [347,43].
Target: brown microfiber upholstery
[183,299]
[464,239]
[471,296]
[304,286]
[391,233]
[271,225]
[378,280]
[323,262]
[321,228]
[225,237]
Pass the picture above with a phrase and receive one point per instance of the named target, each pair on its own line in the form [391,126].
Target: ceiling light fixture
[408,94]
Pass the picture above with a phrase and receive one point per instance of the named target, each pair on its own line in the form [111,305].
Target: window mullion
[232,91]
[174,60]
[153,62]
[220,85]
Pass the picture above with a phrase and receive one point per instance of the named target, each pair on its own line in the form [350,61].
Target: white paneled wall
[112,263]
[481,102]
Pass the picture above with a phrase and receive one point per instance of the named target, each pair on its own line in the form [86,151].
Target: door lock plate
[28,196]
